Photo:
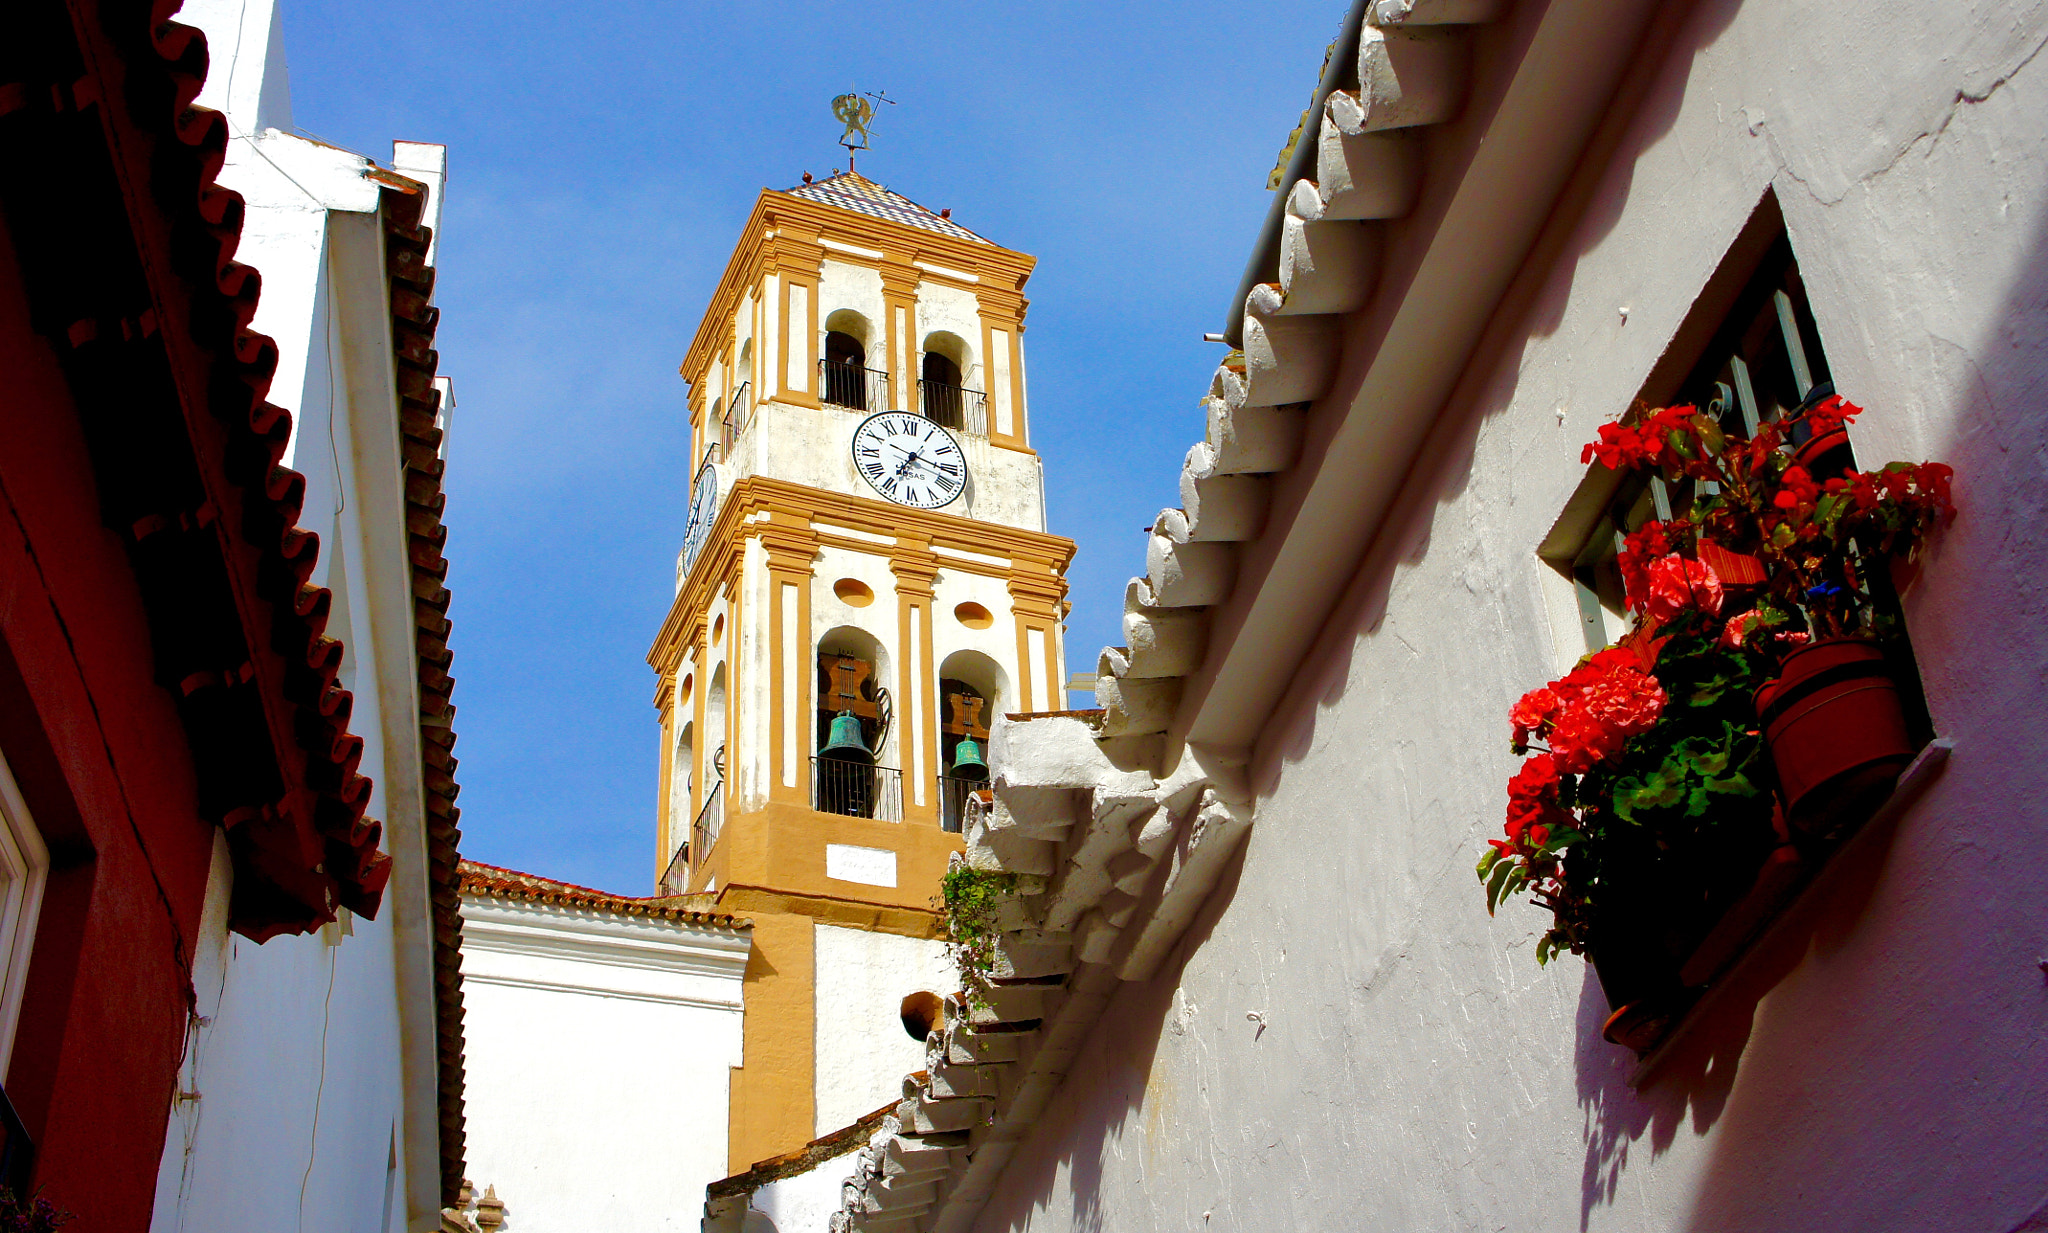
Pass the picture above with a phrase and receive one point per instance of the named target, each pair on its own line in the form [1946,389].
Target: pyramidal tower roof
[850,190]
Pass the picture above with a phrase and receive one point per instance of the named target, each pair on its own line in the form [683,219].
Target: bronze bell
[967,761]
[844,742]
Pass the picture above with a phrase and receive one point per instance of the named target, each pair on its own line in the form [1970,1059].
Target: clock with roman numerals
[909,460]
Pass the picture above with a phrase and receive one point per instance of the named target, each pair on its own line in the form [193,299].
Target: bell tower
[865,581]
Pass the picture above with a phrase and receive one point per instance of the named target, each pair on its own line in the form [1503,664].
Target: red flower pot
[1734,569]
[1836,731]
[1825,457]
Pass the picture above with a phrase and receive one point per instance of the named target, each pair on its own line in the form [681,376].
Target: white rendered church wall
[999,641]
[955,311]
[862,1050]
[1348,1041]
[843,286]
[1004,485]
[598,1053]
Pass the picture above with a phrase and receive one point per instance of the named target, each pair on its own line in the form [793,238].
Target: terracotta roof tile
[498,882]
[803,1159]
[413,321]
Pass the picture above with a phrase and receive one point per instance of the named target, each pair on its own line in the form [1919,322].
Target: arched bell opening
[942,379]
[844,378]
[681,778]
[850,774]
[971,689]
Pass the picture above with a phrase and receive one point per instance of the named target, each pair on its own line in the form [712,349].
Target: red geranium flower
[1831,414]
[1675,584]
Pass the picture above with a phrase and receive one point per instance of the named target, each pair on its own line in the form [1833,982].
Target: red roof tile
[498,882]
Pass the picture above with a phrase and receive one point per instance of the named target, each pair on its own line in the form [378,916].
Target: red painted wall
[104,767]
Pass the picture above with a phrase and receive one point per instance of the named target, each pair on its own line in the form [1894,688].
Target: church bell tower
[865,583]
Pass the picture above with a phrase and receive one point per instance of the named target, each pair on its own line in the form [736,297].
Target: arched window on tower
[844,379]
[682,773]
[970,690]
[942,390]
[710,817]
[854,717]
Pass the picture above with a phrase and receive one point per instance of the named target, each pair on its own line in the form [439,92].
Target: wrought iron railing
[854,790]
[950,406]
[853,387]
[675,880]
[704,831]
[739,414]
[958,801]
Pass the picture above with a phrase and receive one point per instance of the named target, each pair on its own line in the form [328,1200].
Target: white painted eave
[1398,359]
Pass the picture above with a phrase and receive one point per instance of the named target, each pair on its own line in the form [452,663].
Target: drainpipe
[1339,74]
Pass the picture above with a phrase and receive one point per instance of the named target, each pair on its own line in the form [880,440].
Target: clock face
[703,506]
[909,460]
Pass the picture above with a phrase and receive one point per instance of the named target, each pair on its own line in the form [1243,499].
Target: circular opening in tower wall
[973,616]
[717,626]
[853,592]
[923,1013]
[684,690]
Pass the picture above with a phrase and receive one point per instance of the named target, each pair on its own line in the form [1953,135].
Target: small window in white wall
[24,862]
[1760,356]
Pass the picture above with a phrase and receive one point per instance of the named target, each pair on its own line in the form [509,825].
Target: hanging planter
[1836,730]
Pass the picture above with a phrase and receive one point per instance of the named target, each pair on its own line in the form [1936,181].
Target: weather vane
[857,113]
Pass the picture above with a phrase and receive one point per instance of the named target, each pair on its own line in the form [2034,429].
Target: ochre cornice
[758,901]
[1038,560]
[794,224]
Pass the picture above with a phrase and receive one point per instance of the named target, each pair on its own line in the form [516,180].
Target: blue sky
[602,160]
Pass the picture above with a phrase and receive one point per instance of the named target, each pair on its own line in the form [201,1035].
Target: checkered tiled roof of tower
[850,190]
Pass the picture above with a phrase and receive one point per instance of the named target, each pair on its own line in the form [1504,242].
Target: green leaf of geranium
[1486,862]
[1501,870]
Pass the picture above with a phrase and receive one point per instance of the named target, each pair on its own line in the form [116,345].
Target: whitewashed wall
[862,1050]
[801,1203]
[310,1071]
[1345,1040]
[599,1054]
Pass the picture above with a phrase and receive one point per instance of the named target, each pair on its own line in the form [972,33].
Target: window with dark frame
[1748,353]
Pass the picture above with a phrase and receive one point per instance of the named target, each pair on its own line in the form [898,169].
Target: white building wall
[954,310]
[310,1095]
[599,1049]
[862,1050]
[1345,1040]
[800,1203]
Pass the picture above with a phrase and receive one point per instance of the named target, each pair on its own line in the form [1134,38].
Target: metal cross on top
[857,113]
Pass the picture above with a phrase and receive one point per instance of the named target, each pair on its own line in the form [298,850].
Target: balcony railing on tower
[849,385]
[703,834]
[675,880]
[950,406]
[739,413]
[856,790]
[959,799]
